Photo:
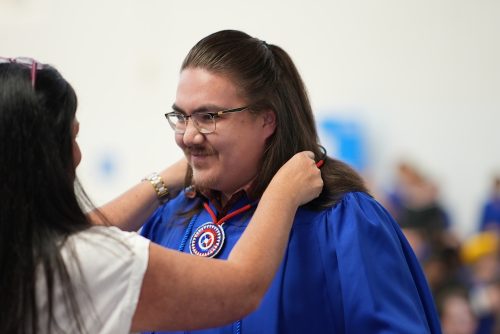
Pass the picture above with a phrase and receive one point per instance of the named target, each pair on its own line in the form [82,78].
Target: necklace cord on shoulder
[226,217]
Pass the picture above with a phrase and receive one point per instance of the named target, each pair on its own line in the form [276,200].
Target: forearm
[261,247]
[130,210]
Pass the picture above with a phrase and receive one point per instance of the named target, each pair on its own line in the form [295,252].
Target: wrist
[279,193]
[161,190]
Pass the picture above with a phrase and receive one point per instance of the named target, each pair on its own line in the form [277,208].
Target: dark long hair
[266,75]
[39,208]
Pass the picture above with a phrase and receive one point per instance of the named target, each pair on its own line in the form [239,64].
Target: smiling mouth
[198,158]
[197,152]
[198,155]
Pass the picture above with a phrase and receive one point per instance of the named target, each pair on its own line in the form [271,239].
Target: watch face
[161,190]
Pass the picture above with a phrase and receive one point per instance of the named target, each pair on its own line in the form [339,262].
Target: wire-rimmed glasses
[204,122]
[31,63]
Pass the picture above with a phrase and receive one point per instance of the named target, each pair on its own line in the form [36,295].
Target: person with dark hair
[63,271]
[241,110]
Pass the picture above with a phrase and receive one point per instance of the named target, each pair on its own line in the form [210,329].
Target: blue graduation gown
[347,269]
[490,217]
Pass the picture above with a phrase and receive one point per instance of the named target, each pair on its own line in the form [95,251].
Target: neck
[226,196]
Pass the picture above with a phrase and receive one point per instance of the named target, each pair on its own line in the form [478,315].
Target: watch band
[159,186]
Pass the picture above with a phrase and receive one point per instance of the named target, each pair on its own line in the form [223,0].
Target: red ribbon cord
[226,217]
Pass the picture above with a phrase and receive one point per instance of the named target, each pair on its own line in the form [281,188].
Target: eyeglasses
[203,121]
[31,63]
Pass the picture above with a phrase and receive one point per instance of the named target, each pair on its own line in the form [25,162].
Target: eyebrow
[205,108]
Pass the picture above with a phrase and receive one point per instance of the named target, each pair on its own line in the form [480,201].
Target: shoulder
[106,239]
[109,248]
[359,216]
[352,206]
[357,226]
[361,206]
[357,219]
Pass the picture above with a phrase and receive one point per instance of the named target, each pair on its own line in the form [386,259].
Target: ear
[269,120]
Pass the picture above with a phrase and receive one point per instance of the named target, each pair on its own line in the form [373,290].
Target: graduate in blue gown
[241,111]
[490,213]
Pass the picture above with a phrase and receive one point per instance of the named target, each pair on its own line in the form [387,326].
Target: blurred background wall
[389,80]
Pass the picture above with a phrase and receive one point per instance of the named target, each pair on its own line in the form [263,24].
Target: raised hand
[299,178]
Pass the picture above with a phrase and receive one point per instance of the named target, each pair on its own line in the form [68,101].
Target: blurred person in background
[455,311]
[490,214]
[414,201]
[481,258]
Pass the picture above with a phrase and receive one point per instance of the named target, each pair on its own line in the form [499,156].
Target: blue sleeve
[382,287]
[161,226]
[151,225]
[488,216]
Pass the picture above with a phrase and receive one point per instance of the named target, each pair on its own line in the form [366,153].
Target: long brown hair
[266,75]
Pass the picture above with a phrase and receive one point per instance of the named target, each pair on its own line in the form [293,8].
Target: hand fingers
[309,154]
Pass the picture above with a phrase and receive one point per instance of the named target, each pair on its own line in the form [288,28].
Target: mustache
[199,150]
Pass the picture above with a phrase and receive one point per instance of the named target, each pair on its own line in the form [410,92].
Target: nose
[192,135]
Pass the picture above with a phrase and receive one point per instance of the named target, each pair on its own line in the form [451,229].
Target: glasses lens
[177,122]
[205,123]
